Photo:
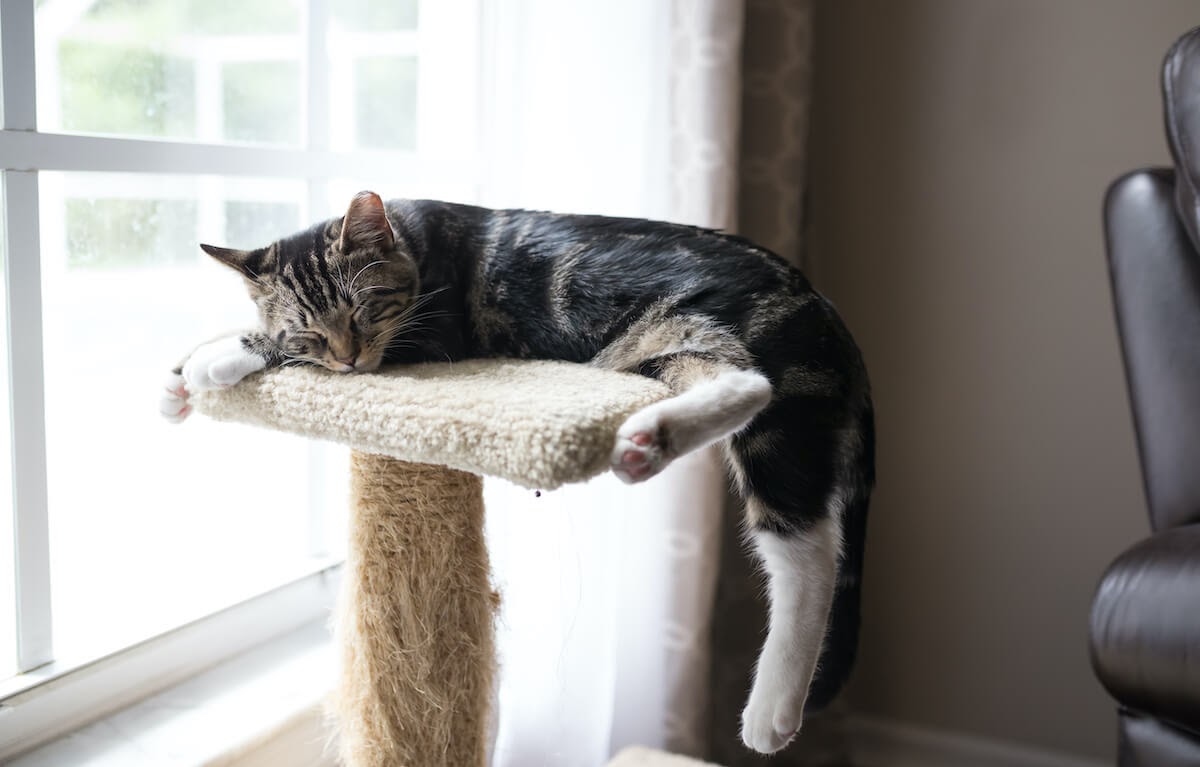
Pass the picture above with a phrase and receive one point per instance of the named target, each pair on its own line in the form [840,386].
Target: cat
[755,358]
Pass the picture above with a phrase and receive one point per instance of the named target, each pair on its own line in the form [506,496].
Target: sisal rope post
[416,618]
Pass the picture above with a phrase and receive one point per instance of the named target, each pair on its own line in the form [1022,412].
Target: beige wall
[959,154]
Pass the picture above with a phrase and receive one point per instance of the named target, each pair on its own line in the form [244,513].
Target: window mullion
[31,532]
[30,513]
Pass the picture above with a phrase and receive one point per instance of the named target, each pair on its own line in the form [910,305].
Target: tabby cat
[757,361]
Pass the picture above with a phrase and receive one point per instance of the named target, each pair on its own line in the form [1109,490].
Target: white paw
[220,364]
[641,449]
[774,712]
[173,402]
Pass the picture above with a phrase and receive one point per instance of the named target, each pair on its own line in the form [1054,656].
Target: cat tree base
[415,621]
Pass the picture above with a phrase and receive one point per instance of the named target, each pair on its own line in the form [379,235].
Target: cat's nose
[346,361]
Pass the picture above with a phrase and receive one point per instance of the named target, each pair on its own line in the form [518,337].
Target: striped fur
[760,363]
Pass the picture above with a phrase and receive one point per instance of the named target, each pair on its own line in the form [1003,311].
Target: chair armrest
[1145,627]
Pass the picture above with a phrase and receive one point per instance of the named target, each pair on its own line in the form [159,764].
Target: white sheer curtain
[620,107]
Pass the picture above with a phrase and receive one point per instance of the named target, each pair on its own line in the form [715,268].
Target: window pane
[8,602]
[153,525]
[385,102]
[260,100]
[209,70]
[247,221]
[118,233]
[373,69]
[116,88]
[371,15]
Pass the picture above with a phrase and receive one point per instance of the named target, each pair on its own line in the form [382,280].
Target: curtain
[619,107]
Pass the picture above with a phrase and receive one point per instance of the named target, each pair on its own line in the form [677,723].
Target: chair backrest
[1155,272]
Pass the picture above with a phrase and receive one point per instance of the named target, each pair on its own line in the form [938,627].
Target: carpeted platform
[537,423]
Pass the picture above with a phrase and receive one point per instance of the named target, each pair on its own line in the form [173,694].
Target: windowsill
[264,707]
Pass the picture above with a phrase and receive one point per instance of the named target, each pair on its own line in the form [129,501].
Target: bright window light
[133,131]
[168,523]
[211,71]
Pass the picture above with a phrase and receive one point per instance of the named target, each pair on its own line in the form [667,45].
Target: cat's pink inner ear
[366,222]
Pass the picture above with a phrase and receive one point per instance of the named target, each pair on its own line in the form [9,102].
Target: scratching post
[415,622]
[416,618]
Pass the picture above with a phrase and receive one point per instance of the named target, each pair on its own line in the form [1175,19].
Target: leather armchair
[1145,624]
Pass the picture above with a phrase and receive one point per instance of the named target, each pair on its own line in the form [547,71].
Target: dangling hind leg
[801,573]
[715,400]
[717,391]
[789,470]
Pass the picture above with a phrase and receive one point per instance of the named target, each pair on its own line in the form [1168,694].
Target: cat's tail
[841,640]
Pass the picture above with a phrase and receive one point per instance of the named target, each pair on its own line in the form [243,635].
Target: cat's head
[337,294]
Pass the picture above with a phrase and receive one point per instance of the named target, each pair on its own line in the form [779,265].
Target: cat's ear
[366,223]
[250,263]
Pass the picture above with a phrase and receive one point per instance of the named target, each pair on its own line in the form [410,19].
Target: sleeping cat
[757,361]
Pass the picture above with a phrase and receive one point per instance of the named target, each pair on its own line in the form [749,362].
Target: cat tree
[415,621]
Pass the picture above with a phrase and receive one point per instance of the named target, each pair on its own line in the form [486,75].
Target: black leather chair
[1145,626]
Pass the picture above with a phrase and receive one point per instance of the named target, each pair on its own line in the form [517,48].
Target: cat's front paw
[173,402]
[775,711]
[220,364]
[641,449]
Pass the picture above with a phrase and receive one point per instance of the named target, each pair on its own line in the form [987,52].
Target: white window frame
[48,698]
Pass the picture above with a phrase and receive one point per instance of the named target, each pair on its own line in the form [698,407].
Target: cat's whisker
[410,315]
[424,298]
[360,271]
[403,345]
[343,288]
[436,312]
[368,288]
[419,322]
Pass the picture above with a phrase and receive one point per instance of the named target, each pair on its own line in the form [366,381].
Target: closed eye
[305,341]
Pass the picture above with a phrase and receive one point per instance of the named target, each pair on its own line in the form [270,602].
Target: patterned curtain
[706,54]
[705,91]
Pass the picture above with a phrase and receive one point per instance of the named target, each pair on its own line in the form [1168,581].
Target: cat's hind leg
[719,402]
[716,389]
[801,570]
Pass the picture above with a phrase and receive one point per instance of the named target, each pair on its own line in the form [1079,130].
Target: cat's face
[338,294]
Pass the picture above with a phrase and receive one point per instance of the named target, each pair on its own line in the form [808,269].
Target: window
[133,130]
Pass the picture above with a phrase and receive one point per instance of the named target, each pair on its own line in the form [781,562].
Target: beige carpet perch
[416,617]
[539,424]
